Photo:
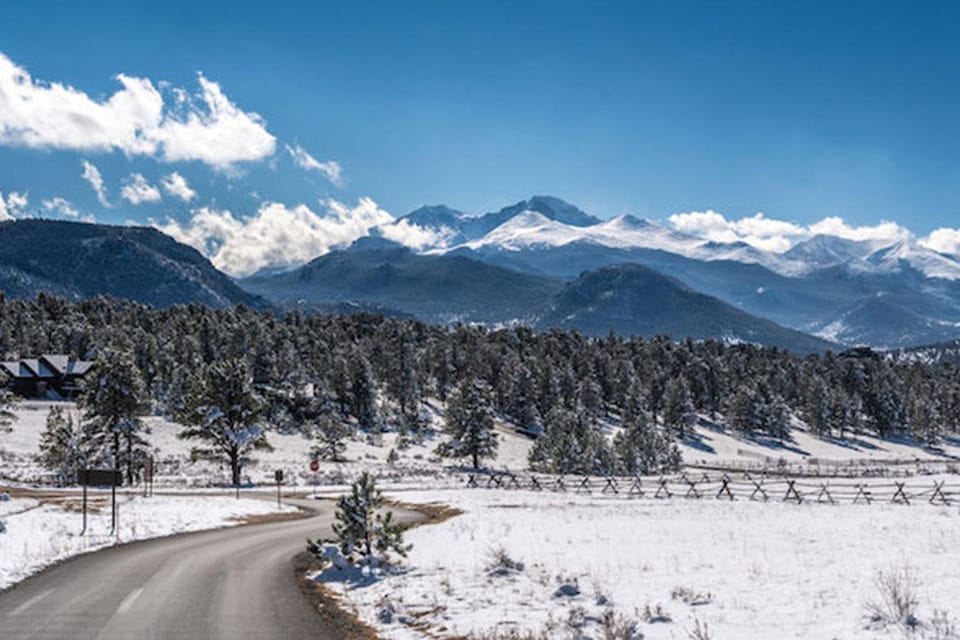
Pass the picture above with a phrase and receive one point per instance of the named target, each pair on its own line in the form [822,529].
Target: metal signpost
[278,476]
[314,467]
[101,478]
[148,478]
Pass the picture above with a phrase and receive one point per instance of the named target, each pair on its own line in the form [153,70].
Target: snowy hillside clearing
[560,564]
[174,467]
[40,533]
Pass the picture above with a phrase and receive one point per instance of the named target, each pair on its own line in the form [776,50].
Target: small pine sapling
[364,535]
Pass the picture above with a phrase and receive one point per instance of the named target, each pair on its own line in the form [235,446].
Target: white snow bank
[39,535]
[748,570]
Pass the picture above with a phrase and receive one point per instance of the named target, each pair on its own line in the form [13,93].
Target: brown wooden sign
[100,478]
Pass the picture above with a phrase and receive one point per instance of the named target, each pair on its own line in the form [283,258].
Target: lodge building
[47,377]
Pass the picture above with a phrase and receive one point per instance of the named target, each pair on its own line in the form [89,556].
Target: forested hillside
[373,372]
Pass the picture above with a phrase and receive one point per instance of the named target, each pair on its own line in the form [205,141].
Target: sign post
[278,476]
[101,478]
[314,467]
[148,478]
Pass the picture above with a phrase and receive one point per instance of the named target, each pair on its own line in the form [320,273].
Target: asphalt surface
[230,584]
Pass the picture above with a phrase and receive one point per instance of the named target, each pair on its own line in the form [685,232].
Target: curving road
[230,584]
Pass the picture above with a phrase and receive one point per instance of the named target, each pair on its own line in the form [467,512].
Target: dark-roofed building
[49,376]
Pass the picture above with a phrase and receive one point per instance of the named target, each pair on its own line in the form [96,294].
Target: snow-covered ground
[418,464]
[744,569]
[291,453]
[41,533]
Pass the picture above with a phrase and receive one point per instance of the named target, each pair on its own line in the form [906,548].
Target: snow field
[292,454]
[748,570]
[40,534]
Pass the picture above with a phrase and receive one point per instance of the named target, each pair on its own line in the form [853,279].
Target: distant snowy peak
[910,255]
[527,229]
[435,216]
[545,222]
[822,251]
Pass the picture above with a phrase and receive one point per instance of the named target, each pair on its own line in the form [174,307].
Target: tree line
[595,405]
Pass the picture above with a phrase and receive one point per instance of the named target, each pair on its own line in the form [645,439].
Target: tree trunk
[235,467]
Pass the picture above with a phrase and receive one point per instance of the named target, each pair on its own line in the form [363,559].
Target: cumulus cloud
[176,186]
[13,205]
[137,190]
[770,234]
[137,119]
[885,232]
[331,169]
[92,175]
[276,235]
[415,236]
[943,240]
[61,206]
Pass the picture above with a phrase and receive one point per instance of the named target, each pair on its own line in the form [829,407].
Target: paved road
[229,584]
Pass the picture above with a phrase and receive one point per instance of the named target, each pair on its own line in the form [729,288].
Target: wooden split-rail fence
[745,486]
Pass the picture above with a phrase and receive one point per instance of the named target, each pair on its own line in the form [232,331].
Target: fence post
[899,496]
[792,489]
[725,488]
[938,494]
[663,488]
[825,492]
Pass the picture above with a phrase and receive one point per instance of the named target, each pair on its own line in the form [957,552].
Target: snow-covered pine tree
[363,533]
[469,423]
[678,413]
[113,401]
[7,401]
[641,448]
[61,449]
[224,412]
[330,433]
[363,387]
[817,409]
[571,443]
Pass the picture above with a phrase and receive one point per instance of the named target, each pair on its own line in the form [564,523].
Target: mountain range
[77,260]
[886,295]
[541,262]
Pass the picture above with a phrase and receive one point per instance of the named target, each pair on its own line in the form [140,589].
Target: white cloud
[943,240]
[92,175]
[136,190]
[176,185]
[276,236]
[13,205]
[136,120]
[415,236]
[331,169]
[885,232]
[61,206]
[770,234]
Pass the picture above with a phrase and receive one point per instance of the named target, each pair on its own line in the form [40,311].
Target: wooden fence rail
[726,486]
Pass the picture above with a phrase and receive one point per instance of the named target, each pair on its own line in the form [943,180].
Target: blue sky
[800,110]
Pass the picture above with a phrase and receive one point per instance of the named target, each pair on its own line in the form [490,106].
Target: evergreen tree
[678,413]
[61,447]
[7,402]
[330,435]
[571,443]
[641,449]
[224,412]
[469,423]
[363,400]
[113,401]
[818,407]
[363,534]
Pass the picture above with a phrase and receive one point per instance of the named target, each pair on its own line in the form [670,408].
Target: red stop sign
[314,465]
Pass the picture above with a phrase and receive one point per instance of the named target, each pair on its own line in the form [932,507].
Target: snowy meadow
[577,566]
